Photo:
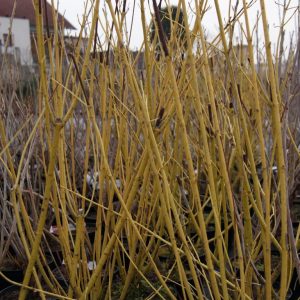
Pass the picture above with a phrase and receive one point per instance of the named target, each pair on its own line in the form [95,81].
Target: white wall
[21,38]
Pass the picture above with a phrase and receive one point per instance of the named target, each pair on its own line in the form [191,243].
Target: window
[8,38]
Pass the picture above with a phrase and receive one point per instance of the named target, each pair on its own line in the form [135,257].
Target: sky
[73,10]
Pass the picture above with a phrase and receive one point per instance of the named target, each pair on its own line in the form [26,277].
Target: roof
[25,10]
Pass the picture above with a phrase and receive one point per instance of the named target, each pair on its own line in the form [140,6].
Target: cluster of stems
[183,160]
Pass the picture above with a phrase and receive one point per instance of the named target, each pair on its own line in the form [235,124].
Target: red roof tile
[25,10]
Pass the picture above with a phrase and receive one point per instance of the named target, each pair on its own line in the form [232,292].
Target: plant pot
[14,275]
[11,292]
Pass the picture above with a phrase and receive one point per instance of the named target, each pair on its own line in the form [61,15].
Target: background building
[17,31]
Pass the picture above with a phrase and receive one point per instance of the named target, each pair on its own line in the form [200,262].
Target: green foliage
[169,21]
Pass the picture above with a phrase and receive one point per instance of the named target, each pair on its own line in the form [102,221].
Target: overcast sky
[73,10]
